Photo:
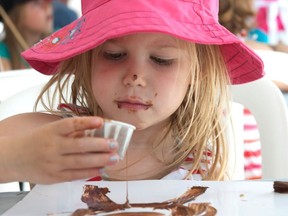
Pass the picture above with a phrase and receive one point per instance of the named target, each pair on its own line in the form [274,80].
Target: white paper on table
[229,198]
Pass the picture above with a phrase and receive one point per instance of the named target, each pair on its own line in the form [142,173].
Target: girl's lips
[135,106]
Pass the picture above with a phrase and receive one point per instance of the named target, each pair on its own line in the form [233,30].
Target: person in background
[242,18]
[239,17]
[63,15]
[26,22]
[152,64]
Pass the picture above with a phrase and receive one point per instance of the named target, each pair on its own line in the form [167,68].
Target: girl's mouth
[132,105]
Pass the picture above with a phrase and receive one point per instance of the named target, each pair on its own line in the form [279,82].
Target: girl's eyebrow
[165,45]
[157,43]
[113,41]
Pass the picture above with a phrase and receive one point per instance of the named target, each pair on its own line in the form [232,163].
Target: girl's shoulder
[71,110]
[21,123]
[4,51]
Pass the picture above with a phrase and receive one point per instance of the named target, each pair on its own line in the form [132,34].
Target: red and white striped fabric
[252,147]
[272,18]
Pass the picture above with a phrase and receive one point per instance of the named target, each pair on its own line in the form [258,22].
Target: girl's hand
[59,151]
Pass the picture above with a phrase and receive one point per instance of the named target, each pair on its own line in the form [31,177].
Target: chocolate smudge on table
[280,186]
[98,202]
[194,209]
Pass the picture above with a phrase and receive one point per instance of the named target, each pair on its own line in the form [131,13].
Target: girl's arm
[5,65]
[42,148]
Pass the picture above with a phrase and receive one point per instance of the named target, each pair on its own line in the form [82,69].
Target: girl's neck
[144,138]
[143,160]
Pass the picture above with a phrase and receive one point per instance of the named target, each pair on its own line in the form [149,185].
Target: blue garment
[4,51]
[258,35]
[63,15]
[6,54]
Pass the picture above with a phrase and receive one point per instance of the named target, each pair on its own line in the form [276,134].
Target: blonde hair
[197,125]
[198,122]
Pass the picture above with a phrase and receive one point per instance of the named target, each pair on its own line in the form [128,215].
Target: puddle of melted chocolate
[98,202]
[136,214]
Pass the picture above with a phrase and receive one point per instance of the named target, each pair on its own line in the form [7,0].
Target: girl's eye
[160,61]
[114,56]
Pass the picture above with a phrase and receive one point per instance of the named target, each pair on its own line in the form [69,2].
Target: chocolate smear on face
[98,202]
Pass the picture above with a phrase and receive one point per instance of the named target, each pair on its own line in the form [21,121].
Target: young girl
[162,66]
[26,22]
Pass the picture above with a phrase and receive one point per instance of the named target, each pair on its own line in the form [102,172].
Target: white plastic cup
[120,131]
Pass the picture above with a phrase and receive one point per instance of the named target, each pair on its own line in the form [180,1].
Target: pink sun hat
[191,20]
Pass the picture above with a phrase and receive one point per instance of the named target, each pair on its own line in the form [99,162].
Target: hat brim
[95,27]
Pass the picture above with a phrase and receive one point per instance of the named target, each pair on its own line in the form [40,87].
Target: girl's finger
[88,144]
[88,161]
[73,125]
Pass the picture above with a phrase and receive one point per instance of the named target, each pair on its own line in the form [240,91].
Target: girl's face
[141,79]
[38,16]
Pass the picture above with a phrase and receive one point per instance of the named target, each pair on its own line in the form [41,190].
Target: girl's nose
[134,79]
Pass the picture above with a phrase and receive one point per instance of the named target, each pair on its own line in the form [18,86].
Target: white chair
[21,102]
[15,81]
[266,102]
[275,64]
[235,137]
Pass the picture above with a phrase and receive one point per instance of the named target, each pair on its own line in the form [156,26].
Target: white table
[229,198]
[8,199]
